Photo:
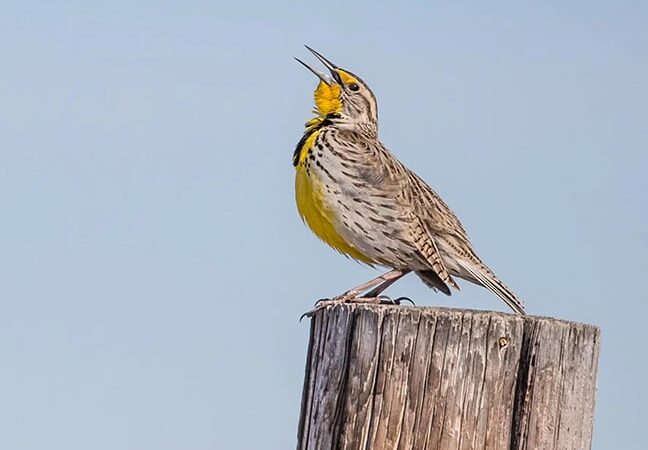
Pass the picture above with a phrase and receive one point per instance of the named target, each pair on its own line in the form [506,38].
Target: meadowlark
[358,198]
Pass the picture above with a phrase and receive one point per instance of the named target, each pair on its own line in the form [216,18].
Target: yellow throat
[309,189]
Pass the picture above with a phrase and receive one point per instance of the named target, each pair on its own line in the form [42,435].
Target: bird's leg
[374,296]
[375,292]
[380,283]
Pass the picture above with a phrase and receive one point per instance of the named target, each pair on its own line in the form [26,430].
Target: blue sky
[153,263]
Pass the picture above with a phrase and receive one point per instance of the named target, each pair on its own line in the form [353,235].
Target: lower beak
[317,73]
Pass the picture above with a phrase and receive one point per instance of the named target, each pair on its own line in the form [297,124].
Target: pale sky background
[153,266]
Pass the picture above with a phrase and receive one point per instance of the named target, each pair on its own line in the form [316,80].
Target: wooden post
[396,377]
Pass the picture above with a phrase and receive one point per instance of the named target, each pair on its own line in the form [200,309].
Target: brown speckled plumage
[381,208]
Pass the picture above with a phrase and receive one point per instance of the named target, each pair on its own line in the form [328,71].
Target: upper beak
[329,65]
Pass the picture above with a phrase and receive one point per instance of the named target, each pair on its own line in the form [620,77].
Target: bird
[357,197]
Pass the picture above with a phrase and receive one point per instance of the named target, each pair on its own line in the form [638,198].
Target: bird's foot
[400,300]
[379,300]
[323,303]
[382,300]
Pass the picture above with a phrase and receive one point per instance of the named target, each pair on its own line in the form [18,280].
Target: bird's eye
[354,87]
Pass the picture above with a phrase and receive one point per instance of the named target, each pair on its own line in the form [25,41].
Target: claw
[387,300]
[404,299]
[310,313]
[317,303]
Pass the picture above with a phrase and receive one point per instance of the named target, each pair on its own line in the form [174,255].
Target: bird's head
[343,99]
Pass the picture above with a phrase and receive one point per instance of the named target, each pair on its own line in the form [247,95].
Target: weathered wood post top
[395,377]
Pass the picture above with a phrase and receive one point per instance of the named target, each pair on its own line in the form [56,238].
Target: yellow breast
[315,210]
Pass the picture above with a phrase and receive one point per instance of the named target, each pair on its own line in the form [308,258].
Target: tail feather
[484,276]
[433,280]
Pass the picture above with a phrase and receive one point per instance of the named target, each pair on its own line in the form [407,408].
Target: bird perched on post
[359,199]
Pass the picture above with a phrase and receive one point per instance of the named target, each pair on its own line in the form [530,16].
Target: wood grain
[393,377]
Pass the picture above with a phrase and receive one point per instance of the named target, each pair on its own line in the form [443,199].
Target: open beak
[317,73]
[328,64]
